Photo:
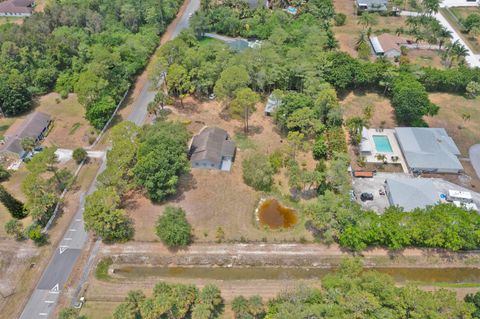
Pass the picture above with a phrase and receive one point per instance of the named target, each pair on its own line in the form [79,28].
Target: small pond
[274,215]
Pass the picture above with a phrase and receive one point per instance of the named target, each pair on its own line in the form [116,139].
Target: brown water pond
[425,275]
[273,214]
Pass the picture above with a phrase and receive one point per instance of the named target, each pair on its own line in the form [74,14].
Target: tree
[47,161]
[355,126]
[15,98]
[243,105]
[474,299]
[28,144]
[257,172]
[14,228]
[89,88]
[179,82]
[103,216]
[368,19]
[13,205]
[161,159]
[100,111]
[320,148]
[231,79]
[431,6]
[296,140]
[173,228]
[79,155]
[34,232]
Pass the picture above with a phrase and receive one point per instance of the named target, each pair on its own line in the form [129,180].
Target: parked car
[366,196]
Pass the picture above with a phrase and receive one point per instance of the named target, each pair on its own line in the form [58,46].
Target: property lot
[215,199]
[355,102]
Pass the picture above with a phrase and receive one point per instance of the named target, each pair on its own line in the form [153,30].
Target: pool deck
[396,151]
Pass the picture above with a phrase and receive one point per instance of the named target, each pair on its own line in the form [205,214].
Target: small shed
[212,149]
[35,126]
[273,103]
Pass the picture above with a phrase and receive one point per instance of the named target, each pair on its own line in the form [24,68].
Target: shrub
[14,228]
[258,172]
[34,232]
[173,228]
[14,206]
[101,272]
[4,174]
[320,148]
[79,155]
[340,19]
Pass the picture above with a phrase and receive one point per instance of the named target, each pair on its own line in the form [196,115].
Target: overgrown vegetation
[92,48]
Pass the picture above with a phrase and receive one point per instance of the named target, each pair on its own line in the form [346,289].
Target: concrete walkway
[474,153]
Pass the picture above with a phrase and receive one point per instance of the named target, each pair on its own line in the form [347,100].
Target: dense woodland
[93,48]
[347,293]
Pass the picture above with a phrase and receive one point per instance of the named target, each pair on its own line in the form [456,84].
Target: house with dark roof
[213,149]
[16,8]
[35,126]
[428,150]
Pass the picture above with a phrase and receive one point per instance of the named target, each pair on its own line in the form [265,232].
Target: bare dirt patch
[355,102]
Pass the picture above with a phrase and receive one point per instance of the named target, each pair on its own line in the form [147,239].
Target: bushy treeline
[151,158]
[336,218]
[236,18]
[92,48]
[353,293]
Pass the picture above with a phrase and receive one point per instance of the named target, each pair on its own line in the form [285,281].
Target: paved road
[148,91]
[45,296]
[472,59]
[474,153]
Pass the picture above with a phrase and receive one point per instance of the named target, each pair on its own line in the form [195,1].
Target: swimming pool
[382,144]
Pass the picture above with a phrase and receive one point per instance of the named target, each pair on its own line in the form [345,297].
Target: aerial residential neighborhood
[240,159]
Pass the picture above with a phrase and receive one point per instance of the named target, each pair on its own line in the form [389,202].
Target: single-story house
[272,104]
[371,5]
[411,193]
[428,150]
[212,148]
[35,126]
[388,45]
[16,8]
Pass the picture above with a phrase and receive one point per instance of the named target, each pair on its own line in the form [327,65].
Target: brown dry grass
[452,107]
[71,129]
[426,58]
[354,103]
[215,199]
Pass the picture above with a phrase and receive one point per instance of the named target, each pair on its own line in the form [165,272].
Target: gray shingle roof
[32,127]
[411,193]
[212,144]
[428,148]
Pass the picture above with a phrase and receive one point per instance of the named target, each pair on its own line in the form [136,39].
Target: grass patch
[205,41]
[244,142]
[101,272]
[74,128]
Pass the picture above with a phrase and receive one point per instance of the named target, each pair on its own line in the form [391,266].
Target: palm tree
[361,39]
[367,19]
[443,34]
[458,52]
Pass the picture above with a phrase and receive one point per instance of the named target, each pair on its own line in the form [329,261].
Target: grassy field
[15,20]
[454,16]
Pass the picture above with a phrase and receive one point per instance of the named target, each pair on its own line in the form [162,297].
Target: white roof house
[411,193]
[428,150]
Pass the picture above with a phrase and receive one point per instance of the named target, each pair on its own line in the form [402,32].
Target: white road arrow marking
[62,249]
[55,289]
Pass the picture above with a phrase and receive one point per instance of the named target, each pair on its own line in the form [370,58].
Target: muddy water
[275,215]
[426,275]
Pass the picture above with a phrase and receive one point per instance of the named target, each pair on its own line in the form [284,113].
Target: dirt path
[294,255]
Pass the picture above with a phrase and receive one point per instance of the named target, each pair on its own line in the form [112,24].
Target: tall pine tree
[14,206]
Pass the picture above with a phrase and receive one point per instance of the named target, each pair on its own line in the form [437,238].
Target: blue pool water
[382,144]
